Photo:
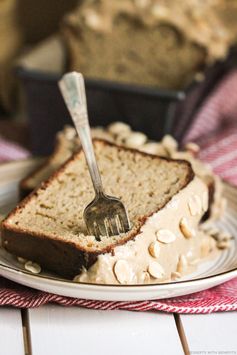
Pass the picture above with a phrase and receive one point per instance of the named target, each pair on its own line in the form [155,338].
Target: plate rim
[62,282]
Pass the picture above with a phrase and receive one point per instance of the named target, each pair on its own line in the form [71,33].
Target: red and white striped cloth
[11,151]
[215,130]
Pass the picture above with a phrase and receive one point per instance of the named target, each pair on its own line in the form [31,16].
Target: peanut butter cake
[162,43]
[67,143]
[165,203]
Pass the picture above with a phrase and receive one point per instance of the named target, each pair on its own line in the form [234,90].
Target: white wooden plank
[59,330]
[11,332]
[214,333]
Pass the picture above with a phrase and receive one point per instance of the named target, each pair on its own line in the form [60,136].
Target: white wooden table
[52,329]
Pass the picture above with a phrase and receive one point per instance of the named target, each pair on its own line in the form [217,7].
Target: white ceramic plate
[209,274]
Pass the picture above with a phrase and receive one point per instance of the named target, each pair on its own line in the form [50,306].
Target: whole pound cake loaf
[160,43]
[165,203]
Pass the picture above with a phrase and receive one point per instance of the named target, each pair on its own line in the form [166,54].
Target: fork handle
[72,87]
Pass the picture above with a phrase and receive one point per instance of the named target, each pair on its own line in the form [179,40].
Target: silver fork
[105,215]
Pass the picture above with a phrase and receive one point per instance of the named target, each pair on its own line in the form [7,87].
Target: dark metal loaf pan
[151,110]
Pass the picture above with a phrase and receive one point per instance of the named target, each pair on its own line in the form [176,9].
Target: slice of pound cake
[165,203]
[67,143]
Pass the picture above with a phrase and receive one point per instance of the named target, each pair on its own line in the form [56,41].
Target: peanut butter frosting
[169,245]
